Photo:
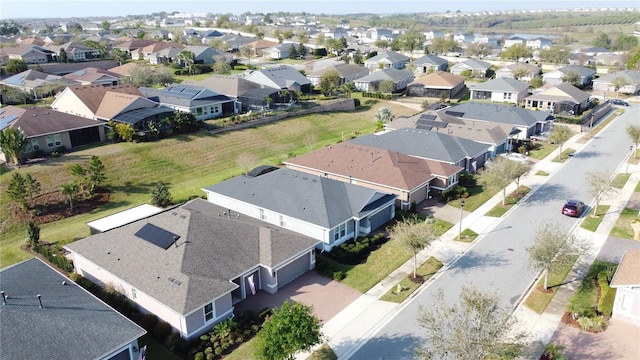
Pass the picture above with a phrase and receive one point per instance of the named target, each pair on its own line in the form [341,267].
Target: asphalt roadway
[497,261]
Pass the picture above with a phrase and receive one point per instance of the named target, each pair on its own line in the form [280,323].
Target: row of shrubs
[159,330]
[353,251]
[228,335]
[378,95]
[455,193]
[54,254]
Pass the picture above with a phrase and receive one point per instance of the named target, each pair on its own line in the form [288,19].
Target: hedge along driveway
[186,162]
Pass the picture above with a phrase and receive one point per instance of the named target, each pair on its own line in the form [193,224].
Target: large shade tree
[474,327]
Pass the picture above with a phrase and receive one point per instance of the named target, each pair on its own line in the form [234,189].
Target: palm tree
[70,190]
[188,59]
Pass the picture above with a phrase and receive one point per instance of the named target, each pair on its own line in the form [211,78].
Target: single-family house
[31,54]
[259,46]
[504,90]
[247,94]
[497,135]
[280,77]
[561,99]
[513,40]
[190,264]
[386,60]
[524,123]
[584,74]
[316,206]
[519,71]
[348,73]
[280,51]
[85,100]
[165,56]
[37,83]
[75,51]
[44,315]
[478,68]
[430,145]
[203,103]
[432,34]
[623,81]
[371,82]
[205,54]
[409,178]
[429,63]
[48,130]
[538,43]
[618,60]
[626,282]
[93,76]
[143,53]
[435,84]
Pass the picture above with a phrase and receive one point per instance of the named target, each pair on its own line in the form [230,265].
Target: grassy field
[187,163]
[622,228]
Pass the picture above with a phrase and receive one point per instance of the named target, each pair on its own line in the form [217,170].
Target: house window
[262,215]
[199,112]
[35,144]
[50,141]
[134,294]
[340,232]
[53,140]
[208,312]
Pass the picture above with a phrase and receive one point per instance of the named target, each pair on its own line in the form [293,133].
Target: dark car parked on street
[619,102]
[573,208]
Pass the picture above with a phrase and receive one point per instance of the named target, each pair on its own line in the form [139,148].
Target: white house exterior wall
[271,217]
[69,103]
[626,306]
[187,326]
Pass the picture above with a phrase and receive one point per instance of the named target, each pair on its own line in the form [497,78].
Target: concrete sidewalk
[350,328]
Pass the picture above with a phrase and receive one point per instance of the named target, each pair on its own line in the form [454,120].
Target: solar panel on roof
[6,121]
[157,236]
[427,117]
[454,113]
[425,124]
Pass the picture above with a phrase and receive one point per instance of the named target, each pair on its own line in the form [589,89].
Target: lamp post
[461,213]
[629,160]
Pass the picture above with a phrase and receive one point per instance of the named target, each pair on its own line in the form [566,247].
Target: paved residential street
[497,260]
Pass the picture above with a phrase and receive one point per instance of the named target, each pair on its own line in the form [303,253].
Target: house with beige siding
[563,98]
[502,90]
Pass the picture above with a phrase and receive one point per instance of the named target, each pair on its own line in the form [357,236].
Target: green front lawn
[407,286]
[511,200]
[541,150]
[622,228]
[619,180]
[590,222]
[538,299]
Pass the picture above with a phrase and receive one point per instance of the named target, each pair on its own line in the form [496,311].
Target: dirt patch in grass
[54,206]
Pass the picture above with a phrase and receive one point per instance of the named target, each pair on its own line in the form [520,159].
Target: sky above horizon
[14,9]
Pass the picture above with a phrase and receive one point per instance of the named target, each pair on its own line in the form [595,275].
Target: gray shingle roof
[632,77]
[388,55]
[72,324]
[583,71]
[502,84]
[498,113]
[314,199]
[424,144]
[212,249]
[394,75]
[430,59]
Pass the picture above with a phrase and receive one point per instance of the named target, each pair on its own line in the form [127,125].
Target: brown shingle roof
[91,95]
[628,272]
[38,121]
[440,79]
[374,165]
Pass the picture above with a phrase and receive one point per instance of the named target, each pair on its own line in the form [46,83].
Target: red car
[573,208]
